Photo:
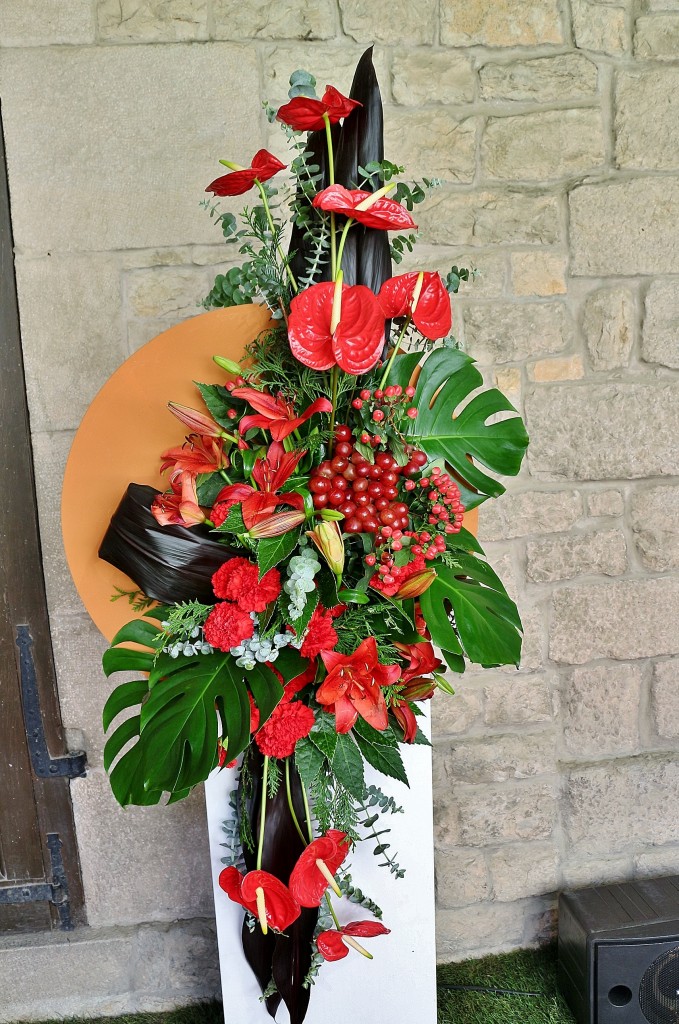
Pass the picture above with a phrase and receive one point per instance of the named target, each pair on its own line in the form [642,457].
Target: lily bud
[328,875]
[276,524]
[379,194]
[336,304]
[331,515]
[197,422]
[328,539]
[226,364]
[420,688]
[261,909]
[416,584]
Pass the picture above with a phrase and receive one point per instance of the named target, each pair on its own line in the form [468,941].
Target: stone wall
[554,126]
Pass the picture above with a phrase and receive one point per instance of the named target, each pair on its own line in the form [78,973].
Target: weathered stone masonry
[554,125]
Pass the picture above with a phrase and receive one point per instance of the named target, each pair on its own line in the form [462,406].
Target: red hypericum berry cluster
[390,577]
[391,405]
[447,510]
[237,383]
[365,494]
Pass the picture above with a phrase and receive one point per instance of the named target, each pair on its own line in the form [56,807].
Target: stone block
[446,811]
[600,552]
[545,370]
[461,878]
[599,28]
[330,64]
[549,144]
[72,334]
[605,503]
[580,871]
[601,707]
[625,227]
[486,928]
[432,143]
[665,699]
[608,324]
[135,177]
[45,22]
[499,758]
[646,119]
[624,620]
[139,332]
[507,23]
[654,518]
[504,333]
[607,809]
[657,36]
[657,863]
[603,431]
[189,949]
[540,80]
[540,273]
[258,19]
[517,699]
[422,77]
[453,715]
[523,869]
[505,813]
[360,23]
[489,218]
[122,21]
[660,337]
[168,847]
[520,514]
[173,292]
[508,381]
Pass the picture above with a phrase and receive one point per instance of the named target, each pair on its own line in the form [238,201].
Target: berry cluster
[446,508]
[390,407]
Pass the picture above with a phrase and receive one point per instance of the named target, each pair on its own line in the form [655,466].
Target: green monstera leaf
[461,430]
[470,615]
[180,707]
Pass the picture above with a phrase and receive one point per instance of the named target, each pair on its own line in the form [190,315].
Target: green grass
[525,971]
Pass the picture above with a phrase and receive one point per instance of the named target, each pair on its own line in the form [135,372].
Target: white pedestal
[399,985]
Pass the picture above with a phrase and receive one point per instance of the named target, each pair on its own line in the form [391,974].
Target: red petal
[337,105]
[231,881]
[396,295]
[331,947]
[266,164]
[407,720]
[359,339]
[281,428]
[366,929]
[332,688]
[373,711]
[258,506]
[336,198]
[249,422]
[432,315]
[234,492]
[309,326]
[233,184]
[281,908]
[345,715]
[262,402]
[386,215]
[307,884]
[303,114]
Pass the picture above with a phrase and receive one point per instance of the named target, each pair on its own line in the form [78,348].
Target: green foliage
[271,551]
[454,277]
[137,599]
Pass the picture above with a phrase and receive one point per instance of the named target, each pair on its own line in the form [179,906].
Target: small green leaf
[347,765]
[218,402]
[208,486]
[308,761]
[324,735]
[300,624]
[382,737]
[271,551]
[383,758]
[233,522]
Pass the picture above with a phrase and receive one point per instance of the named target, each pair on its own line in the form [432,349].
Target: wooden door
[40,886]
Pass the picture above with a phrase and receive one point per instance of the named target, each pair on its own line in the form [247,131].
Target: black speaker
[619,952]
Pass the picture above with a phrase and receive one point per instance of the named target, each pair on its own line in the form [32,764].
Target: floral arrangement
[310,552]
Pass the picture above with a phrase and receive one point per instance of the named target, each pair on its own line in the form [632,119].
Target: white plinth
[399,985]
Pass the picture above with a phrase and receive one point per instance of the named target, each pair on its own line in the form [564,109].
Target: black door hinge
[54,891]
[71,765]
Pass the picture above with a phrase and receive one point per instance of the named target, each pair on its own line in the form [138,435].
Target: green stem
[331,176]
[225,476]
[332,911]
[395,352]
[269,218]
[262,817]
[288,791]
[334,374]
[307,811]
[340,251]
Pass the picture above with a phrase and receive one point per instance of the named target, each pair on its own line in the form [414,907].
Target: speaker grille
[659,990]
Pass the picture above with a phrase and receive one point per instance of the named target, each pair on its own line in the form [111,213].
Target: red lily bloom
[241,179]
[263,895]
[314,871]
[305,114]
[422,660]
[381,213]
[324,332]
[276,414]
[422,296]
[180,508]
[334,945]
[269,474]
[198,454]
[354,684]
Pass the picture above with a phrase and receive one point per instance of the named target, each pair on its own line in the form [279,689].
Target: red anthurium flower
[422,660]
[422,296]
[305,114]
[197,455]
[369,208]
[336,324]
[353,686]
[275,414]
[316,867]
[241,179]
[180,508]
[270,474]
[334,945]
[263,895]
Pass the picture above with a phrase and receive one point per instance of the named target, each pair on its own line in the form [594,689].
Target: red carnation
[227,626]
[289,722]
[320,635]
[241,179]
[238,580]
[306,114]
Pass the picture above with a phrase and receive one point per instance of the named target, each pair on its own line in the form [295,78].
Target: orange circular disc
[123,433]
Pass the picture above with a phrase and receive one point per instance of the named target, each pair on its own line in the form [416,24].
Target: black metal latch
[71,765]
[54,891]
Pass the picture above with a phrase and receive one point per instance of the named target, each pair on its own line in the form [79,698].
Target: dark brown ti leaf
[286,957]
[168,563]
[317,150]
